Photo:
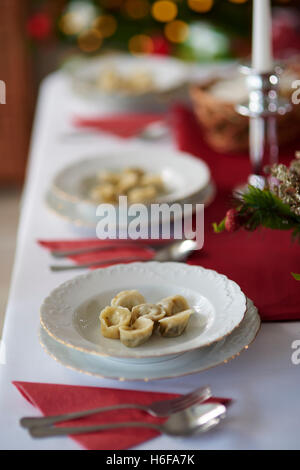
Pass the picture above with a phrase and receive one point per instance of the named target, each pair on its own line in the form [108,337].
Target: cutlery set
[186,415]
[175,251]
[153,131]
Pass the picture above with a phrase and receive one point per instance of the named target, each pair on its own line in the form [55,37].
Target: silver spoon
[177,251]
[154,131]
[185,423]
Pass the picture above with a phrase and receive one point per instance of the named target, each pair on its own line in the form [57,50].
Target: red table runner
[260,262]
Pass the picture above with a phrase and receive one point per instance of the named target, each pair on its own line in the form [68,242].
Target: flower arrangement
[276,207]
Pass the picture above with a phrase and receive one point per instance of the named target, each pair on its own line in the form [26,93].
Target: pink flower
[231,220]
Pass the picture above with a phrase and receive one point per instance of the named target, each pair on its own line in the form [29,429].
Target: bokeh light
[238,1]
[164,10]
[136,9]
[177,31]
[140,44]
[90,40]
[106,25]
[70,24]
[77,17]
[208,42]
[201,6]
[111,4]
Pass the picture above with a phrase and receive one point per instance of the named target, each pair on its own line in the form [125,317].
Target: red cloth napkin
[53,399]
[120,249]
[122,125]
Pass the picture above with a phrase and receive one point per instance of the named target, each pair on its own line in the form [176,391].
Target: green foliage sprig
[261,208]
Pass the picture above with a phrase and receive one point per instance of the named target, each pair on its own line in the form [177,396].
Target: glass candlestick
[263,107]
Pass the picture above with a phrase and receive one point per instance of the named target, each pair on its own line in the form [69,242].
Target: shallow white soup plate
[71,312]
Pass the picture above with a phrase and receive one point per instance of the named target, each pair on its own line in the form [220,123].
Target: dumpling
[136,334]
[153,180]
[142,194]
[140,81]
[128,299]
[174,325]
[111,318]
[104,193]
[138,171]
[128,181]
[109,79]
[174,304]
[111,177]
[152,311]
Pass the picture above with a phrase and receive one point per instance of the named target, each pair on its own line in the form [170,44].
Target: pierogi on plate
[132,320]
[135,183]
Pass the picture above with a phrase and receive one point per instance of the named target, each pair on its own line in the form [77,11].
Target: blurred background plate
[86,221]
[101,78]
[183,175]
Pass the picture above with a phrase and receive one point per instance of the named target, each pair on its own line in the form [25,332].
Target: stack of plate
[186,178]
[224,323]
[168,76]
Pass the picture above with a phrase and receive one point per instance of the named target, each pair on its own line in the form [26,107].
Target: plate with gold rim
[70,314]
[102,79]
[87,220]
[171,367]
[182,174]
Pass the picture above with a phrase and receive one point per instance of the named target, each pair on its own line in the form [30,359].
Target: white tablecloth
[263,381]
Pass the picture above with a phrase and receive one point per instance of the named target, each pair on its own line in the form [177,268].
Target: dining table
[263,381]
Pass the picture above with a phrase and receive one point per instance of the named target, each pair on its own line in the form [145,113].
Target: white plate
[183,175]
[87,219]
[188,363]
[169,75]
[71,312]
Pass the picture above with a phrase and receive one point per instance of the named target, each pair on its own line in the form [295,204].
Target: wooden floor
[9,214]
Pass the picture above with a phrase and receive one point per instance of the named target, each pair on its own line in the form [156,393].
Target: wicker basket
[226,130]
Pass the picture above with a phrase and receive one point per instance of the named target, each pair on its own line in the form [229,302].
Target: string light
[90,40]
[177,31]
[164,10]
[200,6]
[140,44]
[106,25]
[136,9]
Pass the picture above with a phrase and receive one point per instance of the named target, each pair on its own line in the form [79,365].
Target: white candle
[262,57]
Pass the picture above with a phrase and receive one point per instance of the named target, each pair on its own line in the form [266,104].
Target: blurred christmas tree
[198,30]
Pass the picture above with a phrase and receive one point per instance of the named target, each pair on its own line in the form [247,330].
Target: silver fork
[158,409]
[75,267]
[92,249]
[192,420]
